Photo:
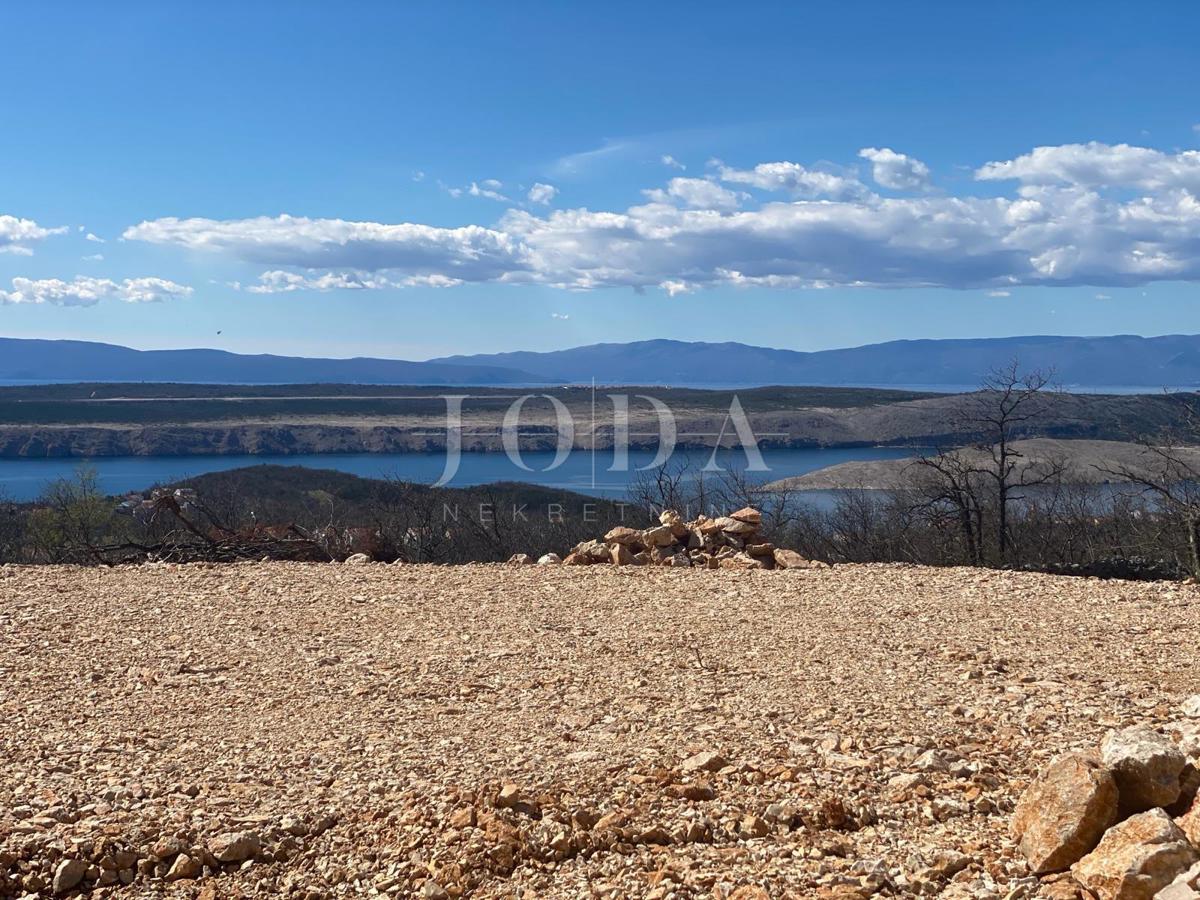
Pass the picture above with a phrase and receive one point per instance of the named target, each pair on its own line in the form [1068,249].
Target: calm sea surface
[24,479]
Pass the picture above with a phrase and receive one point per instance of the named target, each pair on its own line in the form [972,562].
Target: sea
[581,471]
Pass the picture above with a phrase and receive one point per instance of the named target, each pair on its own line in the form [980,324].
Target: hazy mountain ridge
[1130,360]
[1126,360]
[45,360]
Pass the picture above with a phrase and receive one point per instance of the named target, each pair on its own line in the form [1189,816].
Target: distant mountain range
[1126,360]
[1173,360]
[37,360]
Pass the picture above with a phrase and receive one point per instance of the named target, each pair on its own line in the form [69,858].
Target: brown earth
[503,731]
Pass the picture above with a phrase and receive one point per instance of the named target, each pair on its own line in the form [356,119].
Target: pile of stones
[725,542]
[1123,824]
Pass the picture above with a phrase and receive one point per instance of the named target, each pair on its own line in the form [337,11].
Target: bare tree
[950,498]
[992,473]
[13,527]
[677,484]
[414,520]
[1004,409]
[1169,472]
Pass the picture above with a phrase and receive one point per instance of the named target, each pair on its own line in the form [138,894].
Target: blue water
[25,479]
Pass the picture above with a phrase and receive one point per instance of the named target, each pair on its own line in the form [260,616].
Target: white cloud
[795,179]
[695,232]
[999,293]
[84,291]
[469,253]
[1096,165]
[563,316]
[489,188]
[696,193]
[895,170]
[16,235]
[418,175]
[94,239]
[671,162]
[542,193]
[1103,296]
[94,257]
[281,282]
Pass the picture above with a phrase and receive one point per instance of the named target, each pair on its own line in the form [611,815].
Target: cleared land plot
[872,724]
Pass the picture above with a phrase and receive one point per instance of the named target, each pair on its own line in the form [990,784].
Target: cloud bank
[1096,166]
[279,281]
[83,291]
[1077,214]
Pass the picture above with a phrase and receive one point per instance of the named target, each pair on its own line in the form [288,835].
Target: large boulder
[68,874]
[674,521]
[789,559]
[593,551]
[1189,822]
[621,555]
[730,525]
[749,515]
[1136,858]
[623,534]
[660,536]
[740,561]
[235,846]
[1188,735]
[1063,814]
[1146,766]
[184,867]
[1184,887]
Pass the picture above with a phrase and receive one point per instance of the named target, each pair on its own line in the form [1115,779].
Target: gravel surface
[502,731]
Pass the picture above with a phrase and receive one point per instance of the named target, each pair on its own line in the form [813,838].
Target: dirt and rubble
[312,730]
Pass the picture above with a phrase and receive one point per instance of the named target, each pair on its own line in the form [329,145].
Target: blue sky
[483,177]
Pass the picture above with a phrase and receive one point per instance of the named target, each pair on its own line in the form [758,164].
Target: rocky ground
[532,731]
[1078,461]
